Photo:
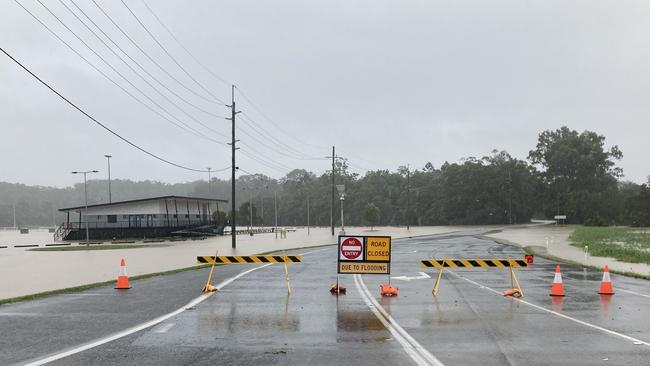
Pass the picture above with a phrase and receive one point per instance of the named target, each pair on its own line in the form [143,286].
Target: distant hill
[38,205]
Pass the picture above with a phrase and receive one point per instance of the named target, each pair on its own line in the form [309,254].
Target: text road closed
[378,249]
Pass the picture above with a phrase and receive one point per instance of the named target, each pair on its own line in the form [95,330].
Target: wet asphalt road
[253,320]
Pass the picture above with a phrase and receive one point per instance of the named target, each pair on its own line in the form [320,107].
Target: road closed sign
[351,248]
[364,255]
[378,248]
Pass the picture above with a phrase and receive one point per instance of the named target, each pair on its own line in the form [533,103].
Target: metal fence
[139,223]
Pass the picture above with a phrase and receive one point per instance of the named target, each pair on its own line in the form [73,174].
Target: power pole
[110,198]
[14,216]
[408,196]
[250,206]
[307,215]
[233,168]
[86,211]
[333,190]
[209,182]
[509,197]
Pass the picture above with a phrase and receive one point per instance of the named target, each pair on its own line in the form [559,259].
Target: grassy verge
[94,247]
[70,290]
[626,244]
[537,253]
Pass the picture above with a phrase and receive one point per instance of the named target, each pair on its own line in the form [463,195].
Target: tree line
[567,173]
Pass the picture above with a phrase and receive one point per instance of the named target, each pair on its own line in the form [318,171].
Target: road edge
[531,249]
[90,286]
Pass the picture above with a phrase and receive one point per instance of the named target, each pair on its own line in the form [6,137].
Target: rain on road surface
[253,321]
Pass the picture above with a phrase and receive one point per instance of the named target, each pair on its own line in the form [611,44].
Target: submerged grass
[76,289]
[91,247]
[542,253]
[626,244]
[71,290]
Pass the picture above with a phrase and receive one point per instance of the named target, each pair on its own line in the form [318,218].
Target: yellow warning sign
[378,248]
[364,267]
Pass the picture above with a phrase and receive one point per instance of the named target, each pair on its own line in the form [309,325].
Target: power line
[123,61]
[187,128]
[185,48]
[168,53]
[148,56]
[259,157]
[129,57]
[99,123]
[276,124]
[245,171]
[356,157]
[357,168]
[279,142]
[270,147]
[297,154]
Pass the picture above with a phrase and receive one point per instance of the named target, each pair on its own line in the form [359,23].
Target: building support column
[189,218]
[167,211]
[176,208]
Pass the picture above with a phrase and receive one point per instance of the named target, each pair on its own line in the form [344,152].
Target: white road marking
[422,276]
[148,324]
[22,314]
[413,348]
[165,328]
[142,326]
[314,251]
[604,330]
[631,292]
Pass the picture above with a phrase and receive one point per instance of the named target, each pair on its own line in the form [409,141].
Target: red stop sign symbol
[351,248]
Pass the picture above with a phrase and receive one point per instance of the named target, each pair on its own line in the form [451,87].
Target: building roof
[143,200]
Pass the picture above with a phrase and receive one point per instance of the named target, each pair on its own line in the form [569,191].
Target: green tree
[244,215]
[371,215]
[220,217]
[496,189]
[579,175]
[638,207]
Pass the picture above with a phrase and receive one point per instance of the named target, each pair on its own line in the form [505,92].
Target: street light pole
[342,225]
[250,206]
[275,204]
[108,157]
[86,198]
[333,182]
[209,182]
[341,189]
[509,198]
[308,216]
[408,196]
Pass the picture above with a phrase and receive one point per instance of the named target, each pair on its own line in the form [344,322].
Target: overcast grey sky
[387,82]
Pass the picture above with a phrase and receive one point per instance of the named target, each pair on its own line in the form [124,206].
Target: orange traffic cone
[122,278]
[557,289]
[606,287]
[388,290]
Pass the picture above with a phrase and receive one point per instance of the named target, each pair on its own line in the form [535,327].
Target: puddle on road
[258,319]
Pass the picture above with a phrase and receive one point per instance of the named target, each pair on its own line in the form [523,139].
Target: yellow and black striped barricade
[249,259]
[509,263]
[254,259]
